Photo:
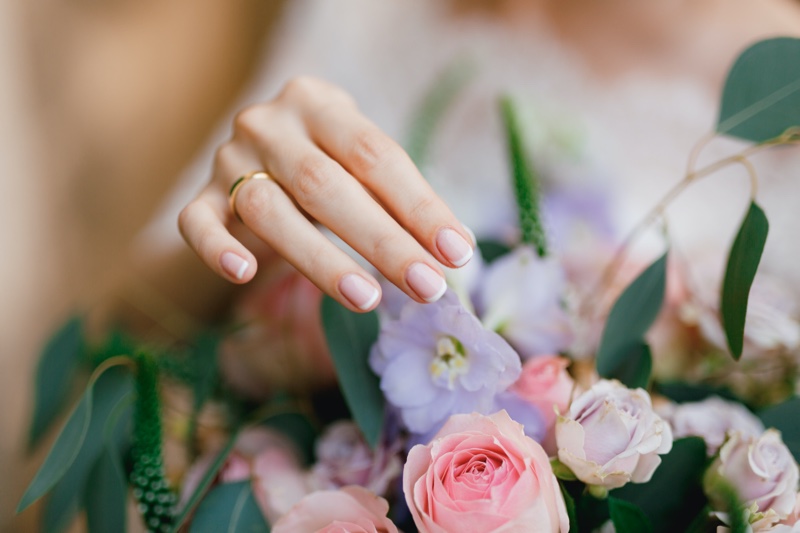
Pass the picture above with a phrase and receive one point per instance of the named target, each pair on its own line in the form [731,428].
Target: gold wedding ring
[255,175]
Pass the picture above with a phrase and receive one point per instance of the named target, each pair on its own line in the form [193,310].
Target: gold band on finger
[255,175]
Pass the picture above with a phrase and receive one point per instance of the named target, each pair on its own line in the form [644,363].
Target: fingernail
[453,246]
[359,291]
[233,265]
[426,282]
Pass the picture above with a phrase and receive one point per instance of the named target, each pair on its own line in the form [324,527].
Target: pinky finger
[206,234]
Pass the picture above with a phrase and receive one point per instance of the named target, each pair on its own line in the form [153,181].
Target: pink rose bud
[545,383]
[611,436]
[481,473]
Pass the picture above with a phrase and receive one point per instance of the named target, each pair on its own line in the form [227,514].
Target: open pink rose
[352,509]
[482,474]
[611,436]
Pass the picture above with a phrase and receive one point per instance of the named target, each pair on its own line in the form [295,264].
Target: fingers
[266,209]
[384,168]
[202,226]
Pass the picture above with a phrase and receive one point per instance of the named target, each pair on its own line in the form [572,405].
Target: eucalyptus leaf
[784,417]
[674,495]
[491,250]
[205,482]
[81,439]
[105,494]
[743,261]
[682,392]
[631,316]
[55,372]
[761,97]
[350,336]
[635,370]
[229,507]
[627,518]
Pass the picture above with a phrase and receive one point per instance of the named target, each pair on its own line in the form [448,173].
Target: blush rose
[482,474]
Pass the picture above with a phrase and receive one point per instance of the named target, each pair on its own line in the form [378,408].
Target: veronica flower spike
[437,359]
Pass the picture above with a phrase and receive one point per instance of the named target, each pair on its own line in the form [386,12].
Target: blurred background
[102,104]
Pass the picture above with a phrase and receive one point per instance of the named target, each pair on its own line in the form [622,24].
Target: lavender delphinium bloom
[520,298]
[437,359]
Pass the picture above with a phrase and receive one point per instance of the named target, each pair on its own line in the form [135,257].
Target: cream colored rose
[761,469]
[611,436]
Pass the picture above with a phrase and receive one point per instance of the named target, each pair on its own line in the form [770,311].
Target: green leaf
[434,106]
[627,518]
[761,97]
[572,513]
[205,482]
[491,250]
[784,417]
[526,181]
[106,492]
[81,439]
[635,371]
[741,270]
[682,392]
[674,495]
[630,318]
[350,337]
[55,371]
[231,508]
[299,429]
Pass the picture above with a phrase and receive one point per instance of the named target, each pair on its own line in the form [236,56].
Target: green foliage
[784,417]
[491,250]
[350,337]
[81,440]
[674,495]
[151,487]
[572,513]
[681,392]
[743,261]
[761,97]
[205,482]
[627,518]
[55,372]
[434,106]
[299,429]
[106,492]
[526,181]
[621,353]
[229,507]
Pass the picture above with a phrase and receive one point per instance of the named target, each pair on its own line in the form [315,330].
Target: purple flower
[436,360]
[521,298]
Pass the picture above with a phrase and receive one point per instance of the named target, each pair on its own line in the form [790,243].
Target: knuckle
[254,202]
[422,207]
[185,219]
[371,150]
[313,181]
[251,120]
[314,92]
[386,246]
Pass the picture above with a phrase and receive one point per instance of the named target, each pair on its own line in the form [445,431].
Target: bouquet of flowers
[525,399]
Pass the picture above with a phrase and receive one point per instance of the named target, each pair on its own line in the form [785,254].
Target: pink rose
[545,383]
[760,468]
[482,474]
[611,436]
[349,510]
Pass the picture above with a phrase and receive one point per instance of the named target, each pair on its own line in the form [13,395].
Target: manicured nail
[453,246]
[233,265]
[426,282]
[359,291]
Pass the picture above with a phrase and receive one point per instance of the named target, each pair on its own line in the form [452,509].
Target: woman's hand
[328,162]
